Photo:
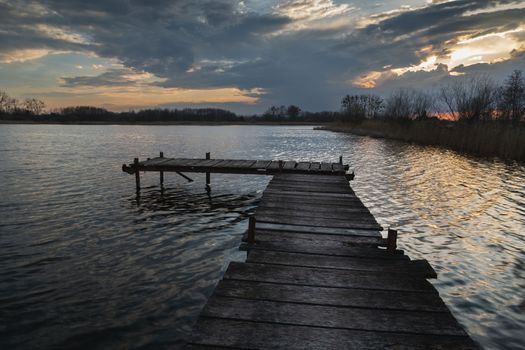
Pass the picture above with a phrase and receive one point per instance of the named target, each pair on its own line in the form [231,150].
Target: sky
[248,55]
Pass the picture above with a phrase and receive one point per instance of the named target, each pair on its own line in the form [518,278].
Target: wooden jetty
[230,166]
[319,275]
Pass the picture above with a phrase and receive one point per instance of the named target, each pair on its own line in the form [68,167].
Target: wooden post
[162,173]
[391,241]
[251,230]
[341,160]
[137,174]
[281,164]
[208,174]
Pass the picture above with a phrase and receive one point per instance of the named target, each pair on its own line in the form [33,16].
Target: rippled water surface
[84,264]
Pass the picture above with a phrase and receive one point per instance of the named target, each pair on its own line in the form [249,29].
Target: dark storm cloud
[113,77]
[218,43]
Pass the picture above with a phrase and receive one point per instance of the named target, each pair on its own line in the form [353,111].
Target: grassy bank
[503,140]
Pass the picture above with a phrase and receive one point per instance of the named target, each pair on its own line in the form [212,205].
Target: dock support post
[251,230]
[281,165]
[341,160]
[208,174]
[137,174]
[162,173]
[391,241]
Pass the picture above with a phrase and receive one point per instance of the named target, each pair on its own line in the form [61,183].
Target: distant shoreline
[14,122]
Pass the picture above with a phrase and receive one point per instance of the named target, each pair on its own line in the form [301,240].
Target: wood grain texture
[268,336]
[357,231]
[332,316]
[326,278]
[412,268]
[371,299]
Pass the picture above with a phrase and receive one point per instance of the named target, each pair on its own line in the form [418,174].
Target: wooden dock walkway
[316,277]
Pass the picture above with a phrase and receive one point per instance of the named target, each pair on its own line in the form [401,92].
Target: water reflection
[84,263]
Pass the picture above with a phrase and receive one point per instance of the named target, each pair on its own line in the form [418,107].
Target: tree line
[474,99]
[478,98]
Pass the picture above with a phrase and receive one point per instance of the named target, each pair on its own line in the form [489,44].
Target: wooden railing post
[162,173]
[391,241]
[208,174]
[137,174]
[251,230]
[281,165]
[341,160]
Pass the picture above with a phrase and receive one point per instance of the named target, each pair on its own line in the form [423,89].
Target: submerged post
[391,241]
[162,173]
[251,230]
[137,174]
[208,174]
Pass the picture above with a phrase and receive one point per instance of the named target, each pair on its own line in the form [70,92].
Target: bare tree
[399,105]
[34,106]
[423,104]
[4,101]
[472,99]
[293,112]
[511,97]
[12,105]
[357,107]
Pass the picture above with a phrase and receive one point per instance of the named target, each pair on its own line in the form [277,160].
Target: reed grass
[504,140]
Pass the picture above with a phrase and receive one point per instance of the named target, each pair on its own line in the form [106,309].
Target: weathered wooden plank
[221,164]
[260,164]
[366,224]
[269,336]
[154,161]
[308,176]
[241,164]
[320,230]
[207,347]
[179,162]
[310,209]
[309,276]
[337,220]
[304,166]
[320,195]
[338,167]
[210,162]
[288,165]
[318,188]
[415,268]
[333,203]
[442,323]
[315,167]
[349,240]
[366,298]
[274,165]
[352,247]
[326,166]
[336,181]
[231,163]
[312,213]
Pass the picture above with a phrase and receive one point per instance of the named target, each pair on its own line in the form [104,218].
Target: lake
[86,264]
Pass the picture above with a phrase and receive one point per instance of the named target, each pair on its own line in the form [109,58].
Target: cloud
[112,77]
[305,52]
